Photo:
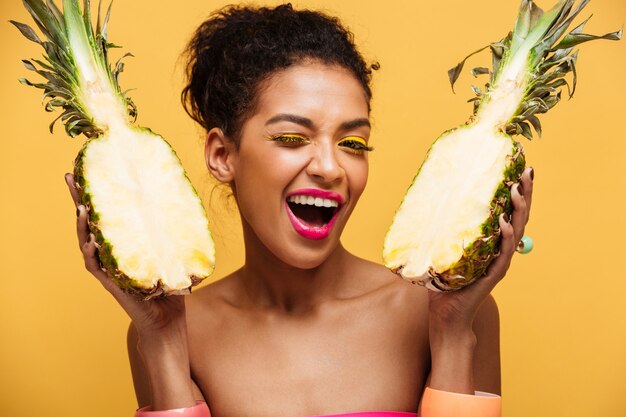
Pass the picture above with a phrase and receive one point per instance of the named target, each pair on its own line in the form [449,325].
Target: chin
[306,257]
[286,245]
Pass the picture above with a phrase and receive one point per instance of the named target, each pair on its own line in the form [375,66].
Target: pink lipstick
[313,212]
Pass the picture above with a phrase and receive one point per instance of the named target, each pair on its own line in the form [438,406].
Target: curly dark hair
[238,47]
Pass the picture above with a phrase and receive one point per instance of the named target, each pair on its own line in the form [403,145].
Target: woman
[304,327]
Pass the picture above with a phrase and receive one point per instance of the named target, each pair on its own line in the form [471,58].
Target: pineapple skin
[478,255]
[105,248]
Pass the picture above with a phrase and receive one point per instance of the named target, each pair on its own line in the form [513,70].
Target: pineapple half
[445,233]
[150,226]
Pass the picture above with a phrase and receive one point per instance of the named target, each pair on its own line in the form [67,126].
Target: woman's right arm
[141,378]
[160,327]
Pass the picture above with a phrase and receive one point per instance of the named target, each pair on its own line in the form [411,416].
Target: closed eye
[355,144]
[289,139]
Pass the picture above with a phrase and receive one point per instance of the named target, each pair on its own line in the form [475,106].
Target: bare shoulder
[401,312]
[207,305]
[214,293]
[412,299]
[408,301]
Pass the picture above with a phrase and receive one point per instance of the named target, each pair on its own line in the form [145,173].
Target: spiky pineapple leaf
[27,31]
[573,39]
[454,72]
[62,88]
[479,71]
[550,60]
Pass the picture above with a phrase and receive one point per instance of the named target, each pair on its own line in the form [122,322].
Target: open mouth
[313,211]
[313,216]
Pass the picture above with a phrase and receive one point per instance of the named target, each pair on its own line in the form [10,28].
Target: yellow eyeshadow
[288,138]
[354,139]
[355,144]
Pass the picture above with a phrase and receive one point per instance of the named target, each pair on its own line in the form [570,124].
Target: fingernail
[532,173]
[67,181]
[520,188]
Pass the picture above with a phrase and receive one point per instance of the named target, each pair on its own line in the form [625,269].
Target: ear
[219,154]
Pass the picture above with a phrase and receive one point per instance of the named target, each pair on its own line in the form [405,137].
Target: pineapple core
[147,211]
[449,201]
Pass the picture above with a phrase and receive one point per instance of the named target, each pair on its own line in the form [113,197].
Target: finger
[69,179]
[93,265]
[92,262]
[520,211]
[82,227]
[527,183]
[90,255]
[500,265]
[508,243]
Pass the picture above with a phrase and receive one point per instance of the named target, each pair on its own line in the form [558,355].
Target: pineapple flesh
[446,233]
[150,226]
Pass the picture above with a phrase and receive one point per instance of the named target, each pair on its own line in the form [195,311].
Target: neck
[272,283]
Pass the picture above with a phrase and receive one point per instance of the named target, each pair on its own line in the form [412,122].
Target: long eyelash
[355,146]
[288,139]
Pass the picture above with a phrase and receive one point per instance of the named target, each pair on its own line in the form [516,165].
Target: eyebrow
[285,117]
[352,124]
[308,123]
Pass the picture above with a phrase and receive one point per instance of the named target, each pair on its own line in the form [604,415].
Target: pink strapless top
[373,414]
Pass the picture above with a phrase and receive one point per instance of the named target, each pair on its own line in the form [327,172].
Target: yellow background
[563,308]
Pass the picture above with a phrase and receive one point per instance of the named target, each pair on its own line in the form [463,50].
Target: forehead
[314,90]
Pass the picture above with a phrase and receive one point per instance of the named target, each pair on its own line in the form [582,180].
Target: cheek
[260,180]
[268,170]
[357,173]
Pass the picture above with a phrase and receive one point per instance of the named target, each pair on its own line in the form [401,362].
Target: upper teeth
[312,201]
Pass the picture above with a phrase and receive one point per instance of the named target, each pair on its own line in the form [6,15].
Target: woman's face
[302,161]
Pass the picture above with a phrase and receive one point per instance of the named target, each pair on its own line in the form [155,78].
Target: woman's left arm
[486,368]
[464,324]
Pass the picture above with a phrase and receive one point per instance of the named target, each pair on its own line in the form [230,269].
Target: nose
[324,166]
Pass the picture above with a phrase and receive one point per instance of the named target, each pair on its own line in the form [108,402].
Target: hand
[458,308]
[149,317]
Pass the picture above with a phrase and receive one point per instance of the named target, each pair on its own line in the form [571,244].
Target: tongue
[310,215]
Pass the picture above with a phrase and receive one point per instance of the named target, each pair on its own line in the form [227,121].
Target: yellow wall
[563,307]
